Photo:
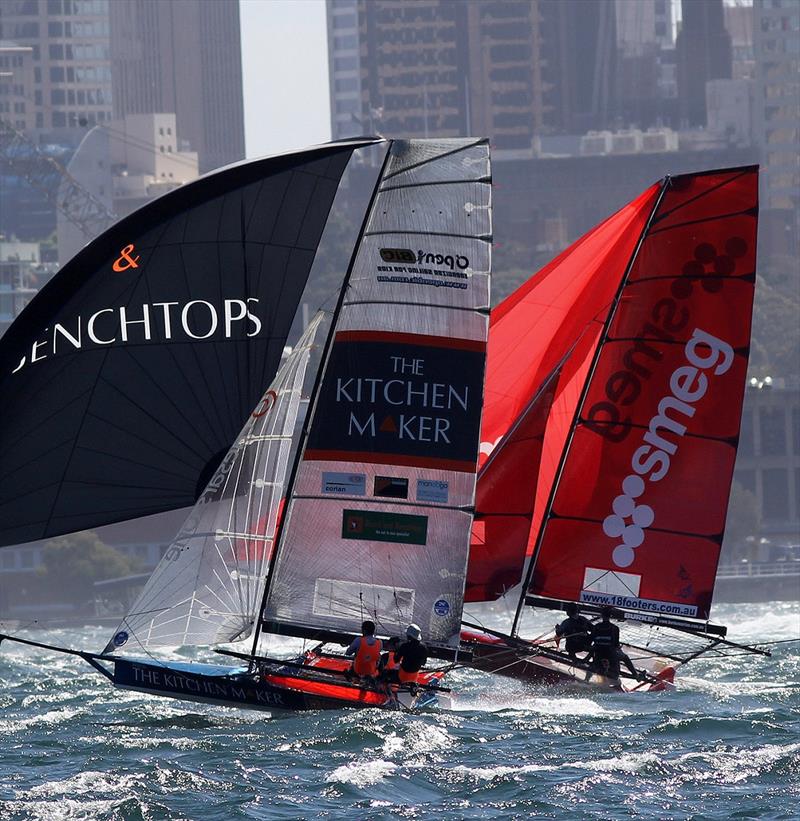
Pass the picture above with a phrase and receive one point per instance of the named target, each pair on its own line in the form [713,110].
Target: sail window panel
[665,585]
[470,163]
[653,383]
[420,319]
[433,570]
[403,267]
[456,209]
[334,598]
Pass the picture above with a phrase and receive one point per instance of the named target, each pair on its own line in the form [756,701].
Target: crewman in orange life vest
[389,663]
[367,651]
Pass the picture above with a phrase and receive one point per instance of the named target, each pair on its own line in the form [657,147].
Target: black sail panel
[126,379]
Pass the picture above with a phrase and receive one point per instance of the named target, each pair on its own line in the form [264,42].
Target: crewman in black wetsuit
[412,655]
[576,631]
[606,652]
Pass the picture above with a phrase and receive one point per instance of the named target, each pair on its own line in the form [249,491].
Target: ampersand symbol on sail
[270,398]
[125,260]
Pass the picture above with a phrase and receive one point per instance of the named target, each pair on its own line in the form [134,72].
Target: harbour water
[725,744]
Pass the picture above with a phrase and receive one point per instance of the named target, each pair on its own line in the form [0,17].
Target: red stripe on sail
[477,345]
[389,459]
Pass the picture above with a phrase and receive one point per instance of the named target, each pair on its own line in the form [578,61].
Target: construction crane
[22,157]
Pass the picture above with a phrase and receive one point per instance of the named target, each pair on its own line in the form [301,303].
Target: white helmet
[413,632]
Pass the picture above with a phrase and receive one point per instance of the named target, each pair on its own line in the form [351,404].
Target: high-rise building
[512,69]
[182,56]
[16,85]
[777,103]
[643,25]
[69,42]
[704,52]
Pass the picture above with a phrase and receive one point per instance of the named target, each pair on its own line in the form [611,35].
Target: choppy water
[725,745]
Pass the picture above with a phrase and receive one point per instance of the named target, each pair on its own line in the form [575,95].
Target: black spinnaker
[124,382]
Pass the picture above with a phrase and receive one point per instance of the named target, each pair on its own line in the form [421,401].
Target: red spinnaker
[551,322]
[639,511]
[504,502]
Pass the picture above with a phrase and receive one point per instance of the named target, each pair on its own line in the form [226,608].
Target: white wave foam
[50,717]
[626,763]
[489,773]
[362,774]
[734,766]
[61,810]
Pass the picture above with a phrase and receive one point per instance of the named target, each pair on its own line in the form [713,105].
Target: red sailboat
[615,381]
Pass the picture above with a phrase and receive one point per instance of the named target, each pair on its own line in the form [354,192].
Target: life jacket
[391,662]
[407,678]
[367,656]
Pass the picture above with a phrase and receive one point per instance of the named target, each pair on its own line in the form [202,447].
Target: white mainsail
[378,523]
[209,584]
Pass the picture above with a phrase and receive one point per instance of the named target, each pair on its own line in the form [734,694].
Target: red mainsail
[638,510]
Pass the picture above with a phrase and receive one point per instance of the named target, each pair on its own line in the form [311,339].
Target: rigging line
[579,407]
[314,396]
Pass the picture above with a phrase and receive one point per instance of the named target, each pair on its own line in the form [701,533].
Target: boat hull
[235,687]
[494,656]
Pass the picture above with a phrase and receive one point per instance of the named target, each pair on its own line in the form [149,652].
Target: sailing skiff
[348,493]
[615,382]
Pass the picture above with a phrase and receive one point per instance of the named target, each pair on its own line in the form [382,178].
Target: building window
[747,479]
[746,443]
[775,494]
[772,424]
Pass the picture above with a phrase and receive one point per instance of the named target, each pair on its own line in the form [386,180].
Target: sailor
[576,630]
[389,664]
[606,652]
[412,655]
[367,651]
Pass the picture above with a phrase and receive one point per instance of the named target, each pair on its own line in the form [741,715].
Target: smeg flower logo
[708,262]
[616,525]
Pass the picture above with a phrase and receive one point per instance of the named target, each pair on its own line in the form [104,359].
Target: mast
[579,407]
[313,400]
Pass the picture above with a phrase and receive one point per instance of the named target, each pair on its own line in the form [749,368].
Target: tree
[71,565]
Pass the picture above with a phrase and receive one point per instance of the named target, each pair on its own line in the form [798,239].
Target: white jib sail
[208,586]
[378,524]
